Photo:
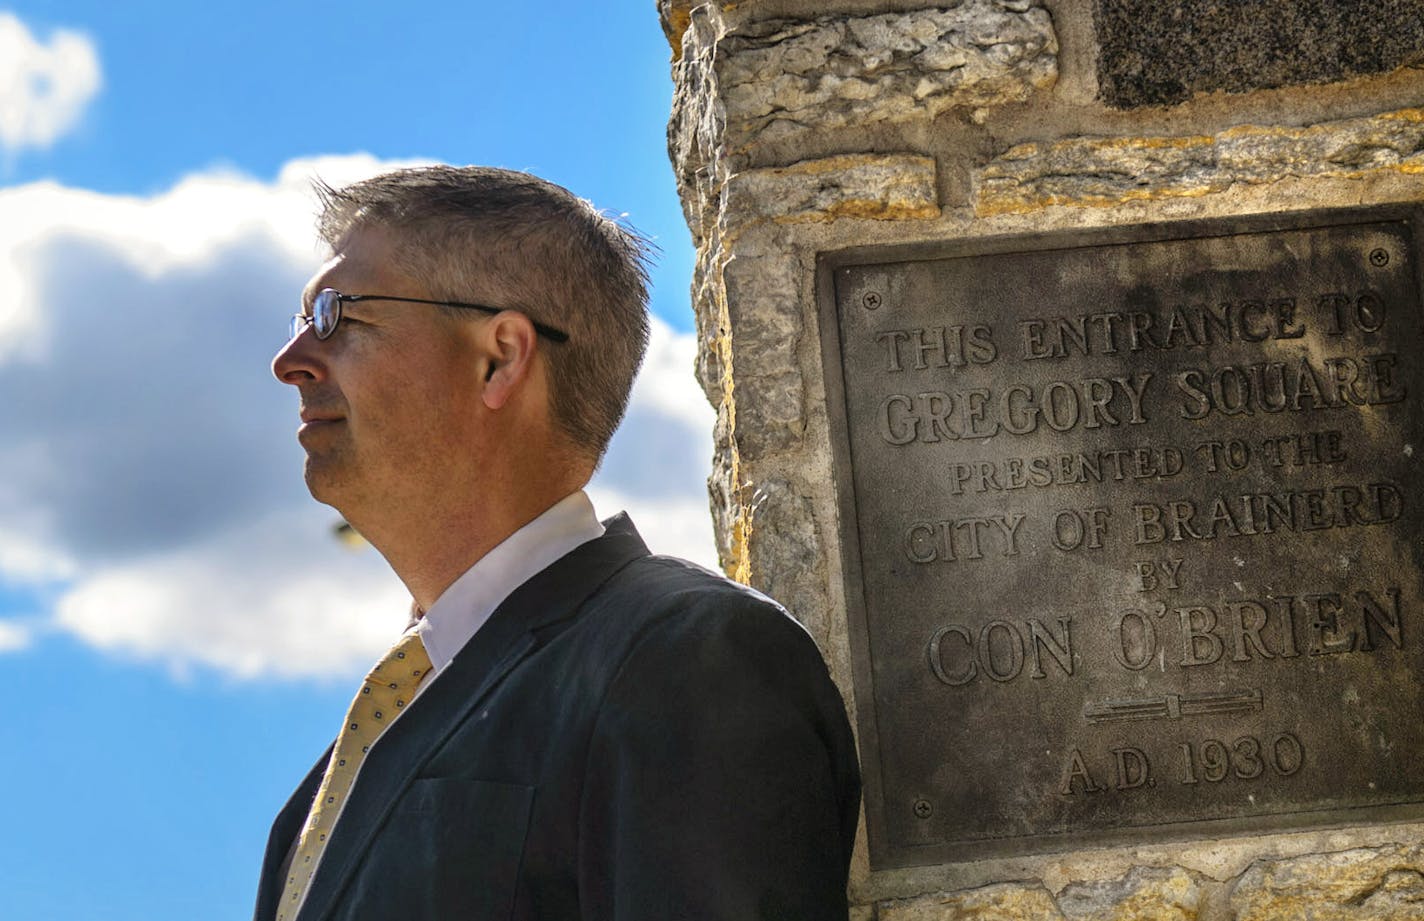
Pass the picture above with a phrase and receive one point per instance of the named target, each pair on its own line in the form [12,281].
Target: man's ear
[509,341]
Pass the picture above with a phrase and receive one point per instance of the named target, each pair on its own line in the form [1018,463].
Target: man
[571,728]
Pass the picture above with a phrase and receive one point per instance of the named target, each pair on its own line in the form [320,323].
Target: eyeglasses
[326,313]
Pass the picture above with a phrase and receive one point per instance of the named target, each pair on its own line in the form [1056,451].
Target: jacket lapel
[512,632]
[283,840]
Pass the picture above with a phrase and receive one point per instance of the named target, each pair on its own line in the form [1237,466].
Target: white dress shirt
[467,604]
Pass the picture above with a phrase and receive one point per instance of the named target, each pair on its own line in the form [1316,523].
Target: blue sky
[185,629]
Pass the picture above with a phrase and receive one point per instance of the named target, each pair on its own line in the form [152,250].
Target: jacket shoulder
[720,757]
[663,594]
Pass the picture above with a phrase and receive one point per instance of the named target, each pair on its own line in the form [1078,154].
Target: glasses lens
[326,311]
[296,325]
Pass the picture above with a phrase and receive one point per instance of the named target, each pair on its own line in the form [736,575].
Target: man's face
[390,403]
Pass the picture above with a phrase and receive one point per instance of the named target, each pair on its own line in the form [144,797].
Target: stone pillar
[801,129]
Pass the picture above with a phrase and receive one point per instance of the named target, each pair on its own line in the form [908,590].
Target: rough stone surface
[884,187]
[779,77]
[1007,902]
[765,315]
[775,78]
[696,124]
[724,495]
[1362,884]
[724,485]
[1155,53]
[771,414]
[1102,172]
[707,316]
[675,16]
[1378,884]
[784,550]
[1143,895]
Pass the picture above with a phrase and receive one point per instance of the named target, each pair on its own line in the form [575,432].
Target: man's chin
[326,480]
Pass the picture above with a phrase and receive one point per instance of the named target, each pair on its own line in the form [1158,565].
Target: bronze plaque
[1131,545]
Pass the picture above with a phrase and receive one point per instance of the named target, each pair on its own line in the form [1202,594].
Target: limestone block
[1004,902]
[712,332]
[675,16]
[1102,172]
[770,414]
[779,77]
[763,298]
[765,313]
[883,187]
[784,553]
[722,499]
[1364,884]
[1144,894]
[696,123]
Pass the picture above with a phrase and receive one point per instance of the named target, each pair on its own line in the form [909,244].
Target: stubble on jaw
[328,471]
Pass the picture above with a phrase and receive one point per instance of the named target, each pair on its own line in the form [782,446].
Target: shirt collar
[467,604]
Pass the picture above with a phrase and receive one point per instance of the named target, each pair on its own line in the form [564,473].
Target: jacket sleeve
[721,780]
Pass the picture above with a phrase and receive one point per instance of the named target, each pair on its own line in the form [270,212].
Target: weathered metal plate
[1130,533]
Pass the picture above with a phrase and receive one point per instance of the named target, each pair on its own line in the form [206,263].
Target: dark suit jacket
[629,737]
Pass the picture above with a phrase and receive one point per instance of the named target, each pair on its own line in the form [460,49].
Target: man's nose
[300,360]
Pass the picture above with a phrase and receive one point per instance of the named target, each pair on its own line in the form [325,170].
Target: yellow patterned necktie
[383,695]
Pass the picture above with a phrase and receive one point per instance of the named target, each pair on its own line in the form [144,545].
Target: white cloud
[14,637]
[149,461]
[270,596]
[44,87]
[204,222]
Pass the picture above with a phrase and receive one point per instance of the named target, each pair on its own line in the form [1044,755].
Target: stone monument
[1069,364]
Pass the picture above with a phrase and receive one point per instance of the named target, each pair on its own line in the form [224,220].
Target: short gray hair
[513,240]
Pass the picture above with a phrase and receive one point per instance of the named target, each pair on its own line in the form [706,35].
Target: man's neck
[428,559]
[449,520]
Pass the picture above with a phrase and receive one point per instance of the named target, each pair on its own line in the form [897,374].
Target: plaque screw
[1379,257]
[871,300]
[923,809]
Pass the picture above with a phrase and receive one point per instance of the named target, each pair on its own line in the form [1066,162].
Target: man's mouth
[314,417]
[315,421]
